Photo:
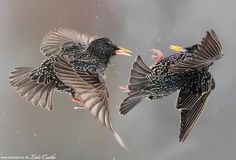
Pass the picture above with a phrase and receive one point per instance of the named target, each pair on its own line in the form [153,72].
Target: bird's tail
[138,81]
[35,92]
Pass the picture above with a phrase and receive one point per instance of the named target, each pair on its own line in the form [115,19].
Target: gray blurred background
[151,129]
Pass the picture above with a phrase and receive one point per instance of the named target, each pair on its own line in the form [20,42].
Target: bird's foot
[125,88]
[77,100]
[157,55]
[79,107]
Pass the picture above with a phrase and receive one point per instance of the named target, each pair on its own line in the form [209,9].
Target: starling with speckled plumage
[75,64]
[187,71]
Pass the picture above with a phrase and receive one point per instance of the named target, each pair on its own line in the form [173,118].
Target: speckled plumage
[186,71]
[163,83]
[75,64]
[44,73]
[91,54]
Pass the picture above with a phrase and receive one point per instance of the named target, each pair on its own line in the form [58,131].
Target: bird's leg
[77,100]
[125,88]
[157,55]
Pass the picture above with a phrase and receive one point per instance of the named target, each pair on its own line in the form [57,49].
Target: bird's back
[163,83]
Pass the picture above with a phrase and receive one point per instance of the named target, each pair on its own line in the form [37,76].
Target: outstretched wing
[34,91]
[192,104]
[91,91]
[55,40]
[208,51]
[190,117]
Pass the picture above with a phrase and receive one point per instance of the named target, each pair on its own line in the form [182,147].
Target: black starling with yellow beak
[187,71]
[75,64]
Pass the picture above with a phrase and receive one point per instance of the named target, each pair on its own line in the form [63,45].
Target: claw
[125,88]
[79,107]
[77,100]
[157,55]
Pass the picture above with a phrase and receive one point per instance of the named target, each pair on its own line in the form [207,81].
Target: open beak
[123,51]
[177,49]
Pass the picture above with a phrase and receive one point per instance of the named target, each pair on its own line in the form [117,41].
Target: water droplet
[96,17]
[222,107]
[3,112]
[159,40]
[175,30]
[35,135]
[17,131]
[98,5]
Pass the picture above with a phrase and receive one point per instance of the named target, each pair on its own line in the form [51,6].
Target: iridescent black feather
[187,72]
[74,64]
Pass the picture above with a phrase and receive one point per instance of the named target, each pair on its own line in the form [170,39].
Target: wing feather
[91,91]
[55,40]
[192,104]
[206,53]
[35,92]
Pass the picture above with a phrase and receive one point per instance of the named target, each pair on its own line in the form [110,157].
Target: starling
[187,71]
[75,64]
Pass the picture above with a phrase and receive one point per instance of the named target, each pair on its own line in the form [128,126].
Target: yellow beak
[177,49]
[123,51]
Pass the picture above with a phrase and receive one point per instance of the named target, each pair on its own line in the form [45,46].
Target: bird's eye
[110,43]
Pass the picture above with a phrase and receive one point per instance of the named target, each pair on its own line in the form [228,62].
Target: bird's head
[192,48]
[104,49]
[179,49]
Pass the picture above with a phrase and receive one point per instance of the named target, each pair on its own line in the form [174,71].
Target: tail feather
[19,71]
[135,73]
[138,81]
[130,102]
[139,68]
[141,65]
[37,93]
[137,86]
